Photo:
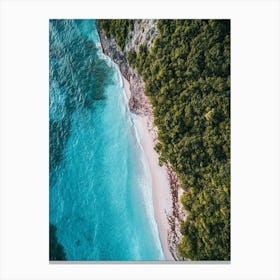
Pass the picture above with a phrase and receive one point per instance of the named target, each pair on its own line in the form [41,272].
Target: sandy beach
[162,197]
[166,188]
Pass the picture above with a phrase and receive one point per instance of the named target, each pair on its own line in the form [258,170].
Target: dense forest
[187,78]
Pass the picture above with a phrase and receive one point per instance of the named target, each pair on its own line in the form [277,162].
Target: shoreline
[162,198]
[168,219]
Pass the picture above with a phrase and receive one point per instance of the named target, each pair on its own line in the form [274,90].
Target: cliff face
[144,33]
[138,103]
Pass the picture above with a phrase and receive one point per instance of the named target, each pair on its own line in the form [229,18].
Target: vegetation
[131,57]
[187,79]
[117,28]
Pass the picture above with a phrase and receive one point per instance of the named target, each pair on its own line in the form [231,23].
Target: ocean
[100,195]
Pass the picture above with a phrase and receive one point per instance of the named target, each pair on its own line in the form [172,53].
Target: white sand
[162,197]
[126,87]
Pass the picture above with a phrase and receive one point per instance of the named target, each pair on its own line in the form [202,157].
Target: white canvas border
[255,138]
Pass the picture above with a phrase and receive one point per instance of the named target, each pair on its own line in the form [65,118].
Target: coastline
[162,198]
[168,210]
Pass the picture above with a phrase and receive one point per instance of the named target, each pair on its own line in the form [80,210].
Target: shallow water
[100,186]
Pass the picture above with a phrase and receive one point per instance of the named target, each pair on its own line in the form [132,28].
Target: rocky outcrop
[138,103]
[144,33]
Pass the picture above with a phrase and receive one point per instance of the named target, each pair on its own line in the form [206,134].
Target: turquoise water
[100,186]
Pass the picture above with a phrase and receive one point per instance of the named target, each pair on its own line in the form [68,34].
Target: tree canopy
[117,28]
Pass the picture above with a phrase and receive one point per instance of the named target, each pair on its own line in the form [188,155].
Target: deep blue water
[100,186]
